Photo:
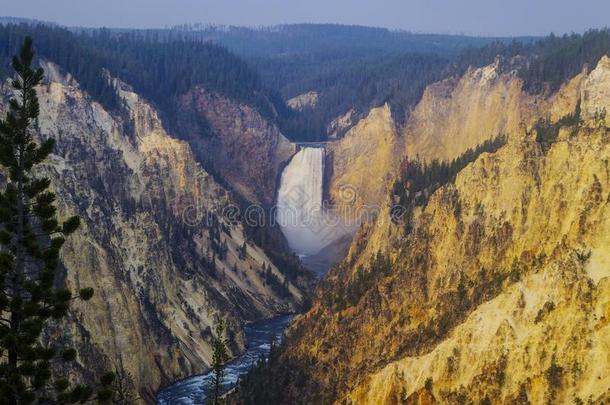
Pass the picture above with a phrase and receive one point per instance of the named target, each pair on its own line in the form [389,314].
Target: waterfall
[299,202]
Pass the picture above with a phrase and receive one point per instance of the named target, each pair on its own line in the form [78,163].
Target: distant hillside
[158,70]
[21,20]
[351,67]
[298,39]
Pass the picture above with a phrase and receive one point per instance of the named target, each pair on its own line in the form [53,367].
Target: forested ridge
[543,64]
[158,70]
[399,80]
[349,80]
[350,67]
[291,40]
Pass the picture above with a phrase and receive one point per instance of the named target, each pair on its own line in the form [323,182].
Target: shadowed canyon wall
[154,244]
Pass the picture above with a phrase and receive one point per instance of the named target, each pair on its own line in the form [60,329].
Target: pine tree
[243,251]
[219,359]
[30,241]
[124,388]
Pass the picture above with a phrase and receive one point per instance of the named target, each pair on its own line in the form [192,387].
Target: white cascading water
[299,202]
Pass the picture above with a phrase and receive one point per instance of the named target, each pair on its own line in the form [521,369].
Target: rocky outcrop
[154,243]
[457,114]
[596,94]
[243,147]
[305,100]
[337,127]
[363,162]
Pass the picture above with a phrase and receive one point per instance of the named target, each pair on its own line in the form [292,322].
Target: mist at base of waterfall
[311,230]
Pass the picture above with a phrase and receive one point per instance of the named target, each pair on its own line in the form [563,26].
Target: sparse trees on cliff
[124,388]
[30,241]
[419,180]
[219,360]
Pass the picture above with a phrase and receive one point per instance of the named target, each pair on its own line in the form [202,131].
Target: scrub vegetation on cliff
[418,180]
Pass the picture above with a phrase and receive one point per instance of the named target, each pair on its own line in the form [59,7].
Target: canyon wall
[154,244]
[362,161]
[499,293]
[246,149]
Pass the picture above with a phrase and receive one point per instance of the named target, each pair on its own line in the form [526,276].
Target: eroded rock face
[247,150]
[152,224]
[337,127]
[363,161]
[510,293]
[501,292]
[305,100]
[457,114]
[454,115]
[596,93]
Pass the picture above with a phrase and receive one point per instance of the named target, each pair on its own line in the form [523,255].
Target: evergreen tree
[219,359]
[243,251]
[30,241]
[124,388]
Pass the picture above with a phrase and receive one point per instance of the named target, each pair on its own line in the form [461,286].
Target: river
[193,390]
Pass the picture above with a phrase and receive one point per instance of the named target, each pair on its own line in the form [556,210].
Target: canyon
[499,292]
[154,242]
[441,241]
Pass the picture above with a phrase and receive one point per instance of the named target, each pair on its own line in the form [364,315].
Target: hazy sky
[478,17]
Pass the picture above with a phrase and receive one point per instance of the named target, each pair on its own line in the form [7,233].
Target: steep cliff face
[154,243]
[595,94]
[453,116]
[363,160]
[519,308]
[339,125]
[247,150]
[457,114]
[500,293]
